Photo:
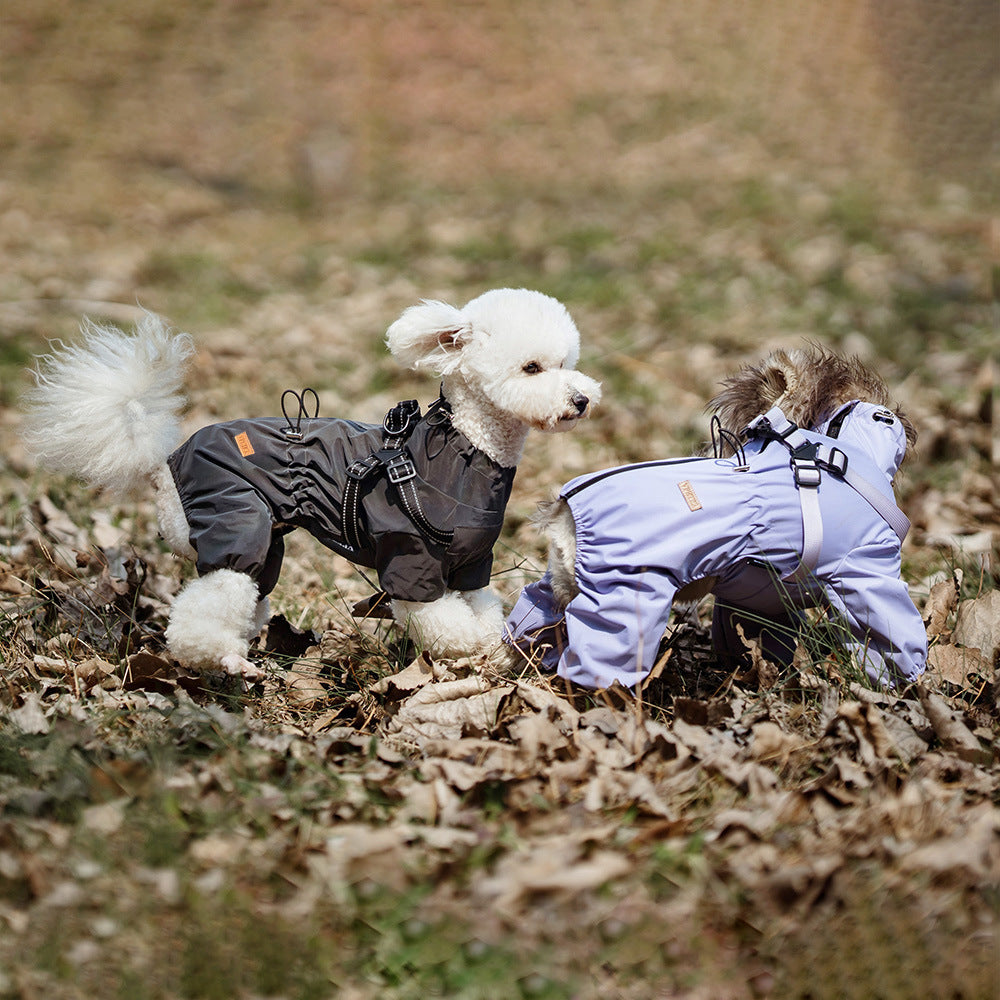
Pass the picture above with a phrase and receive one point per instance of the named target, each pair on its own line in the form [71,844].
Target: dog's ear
[430,335]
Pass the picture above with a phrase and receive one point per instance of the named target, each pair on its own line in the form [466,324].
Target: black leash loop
[294,430]
[723,438]
[400,421]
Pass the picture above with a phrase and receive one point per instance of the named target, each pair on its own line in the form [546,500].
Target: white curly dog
[421,499]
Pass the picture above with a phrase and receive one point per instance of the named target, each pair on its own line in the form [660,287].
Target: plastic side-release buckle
[363,468]
[399,469]
[758,427]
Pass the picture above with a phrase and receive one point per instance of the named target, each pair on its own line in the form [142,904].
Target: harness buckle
[806,473]
[399,469]
[363,468]
[833,460]
[758,427]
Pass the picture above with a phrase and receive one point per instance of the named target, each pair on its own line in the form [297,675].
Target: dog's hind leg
[213,620]
[170,516]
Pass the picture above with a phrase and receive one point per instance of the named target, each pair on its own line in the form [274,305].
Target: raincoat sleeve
[472,575]
[535,624]
[233,529]
[614,627]
[890,640]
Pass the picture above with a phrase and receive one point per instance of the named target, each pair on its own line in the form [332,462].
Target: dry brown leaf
[30,718]
[106,818]
[865,722]
[607,720]
[557,864]
[449,709]
[955,663]
[10,582]
[356,852]
[972,853]
[57,523]
[700,741]
[940,603]
[148,672]
[950,729]
[799,884]
[702,711]
[977,624]
[537,737]
[457,773]
[418,673]
[304,684]
[772,743]
[906,742]
[545,699]
[617,789]
[608,752]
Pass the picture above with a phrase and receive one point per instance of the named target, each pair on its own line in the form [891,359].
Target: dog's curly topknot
[809,384]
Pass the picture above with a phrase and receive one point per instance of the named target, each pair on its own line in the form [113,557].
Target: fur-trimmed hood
[811,385]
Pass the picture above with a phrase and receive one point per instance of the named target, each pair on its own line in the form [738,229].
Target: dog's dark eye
[532,368]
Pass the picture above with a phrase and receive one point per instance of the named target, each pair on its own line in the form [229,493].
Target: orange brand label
[687,491]
[243,443]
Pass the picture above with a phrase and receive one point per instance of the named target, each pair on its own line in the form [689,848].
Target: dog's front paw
[239,666]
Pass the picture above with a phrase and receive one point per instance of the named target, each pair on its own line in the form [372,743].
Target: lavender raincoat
[645,531]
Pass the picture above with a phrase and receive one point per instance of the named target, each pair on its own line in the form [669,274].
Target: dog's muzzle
[579,406]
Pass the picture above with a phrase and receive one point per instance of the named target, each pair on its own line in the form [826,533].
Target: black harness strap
[401,473]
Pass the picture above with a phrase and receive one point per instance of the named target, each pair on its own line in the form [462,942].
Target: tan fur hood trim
[809,384]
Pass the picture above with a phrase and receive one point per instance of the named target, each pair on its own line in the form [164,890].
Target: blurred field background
[699,182]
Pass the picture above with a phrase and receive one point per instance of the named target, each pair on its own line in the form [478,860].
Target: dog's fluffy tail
[107,409]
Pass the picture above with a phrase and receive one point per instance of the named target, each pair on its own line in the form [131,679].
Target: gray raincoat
[244,484]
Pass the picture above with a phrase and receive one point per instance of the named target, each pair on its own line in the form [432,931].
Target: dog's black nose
[580,401]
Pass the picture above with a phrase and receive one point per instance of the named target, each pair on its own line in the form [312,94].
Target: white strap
[836,461]
[807,478]
[897,520]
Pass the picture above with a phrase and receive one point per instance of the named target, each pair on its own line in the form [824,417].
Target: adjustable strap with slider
[393,458]
[808,460]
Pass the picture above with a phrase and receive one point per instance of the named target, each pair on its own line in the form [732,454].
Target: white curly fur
[456,624]
[213,617]
[107,410]
[482,350]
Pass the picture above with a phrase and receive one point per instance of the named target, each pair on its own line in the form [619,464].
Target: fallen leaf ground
[698,188]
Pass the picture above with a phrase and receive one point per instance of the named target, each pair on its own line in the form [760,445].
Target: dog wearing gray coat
[107,410]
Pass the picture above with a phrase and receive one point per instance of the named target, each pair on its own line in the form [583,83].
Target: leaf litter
[360,766]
